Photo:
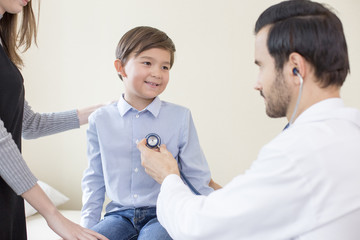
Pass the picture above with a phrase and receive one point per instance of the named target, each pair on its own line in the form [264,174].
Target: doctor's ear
[120,68]
[298,64]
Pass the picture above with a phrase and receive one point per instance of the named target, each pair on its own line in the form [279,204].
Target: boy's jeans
[138,223]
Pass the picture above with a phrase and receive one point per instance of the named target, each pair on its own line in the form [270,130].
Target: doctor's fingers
[163,149]
[154,174]
[146,153]
[142,146]
[166,155]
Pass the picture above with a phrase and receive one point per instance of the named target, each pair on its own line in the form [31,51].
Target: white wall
[213,75]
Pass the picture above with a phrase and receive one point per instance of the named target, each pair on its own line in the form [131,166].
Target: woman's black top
[12,214]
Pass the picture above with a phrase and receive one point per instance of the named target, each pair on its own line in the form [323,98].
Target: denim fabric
[137,223]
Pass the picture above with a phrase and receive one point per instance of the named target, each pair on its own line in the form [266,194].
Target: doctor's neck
[312,94]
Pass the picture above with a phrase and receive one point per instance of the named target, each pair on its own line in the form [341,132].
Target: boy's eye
[165,68]
[147,63]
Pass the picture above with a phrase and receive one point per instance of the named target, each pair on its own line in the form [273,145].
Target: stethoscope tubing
[150,143]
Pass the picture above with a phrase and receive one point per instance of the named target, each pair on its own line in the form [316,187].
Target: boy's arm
[192,159]
[92,184]
[214,185]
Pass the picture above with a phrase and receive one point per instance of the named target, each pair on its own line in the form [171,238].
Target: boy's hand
[157,163]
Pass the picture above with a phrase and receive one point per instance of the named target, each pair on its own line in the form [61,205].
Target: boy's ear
[120,68]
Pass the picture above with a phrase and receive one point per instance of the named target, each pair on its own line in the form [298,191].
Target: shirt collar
[153,107]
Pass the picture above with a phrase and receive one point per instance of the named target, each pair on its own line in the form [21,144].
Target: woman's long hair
[15,38]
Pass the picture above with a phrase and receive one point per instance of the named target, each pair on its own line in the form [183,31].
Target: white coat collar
[329,108]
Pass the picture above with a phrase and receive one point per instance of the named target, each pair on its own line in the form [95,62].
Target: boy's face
[146,76]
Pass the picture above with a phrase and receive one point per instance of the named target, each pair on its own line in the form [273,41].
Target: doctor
[305,182]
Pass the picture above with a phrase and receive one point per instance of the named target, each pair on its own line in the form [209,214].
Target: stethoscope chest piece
[153,140]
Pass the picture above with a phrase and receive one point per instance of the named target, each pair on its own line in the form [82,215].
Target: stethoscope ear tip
[295,71]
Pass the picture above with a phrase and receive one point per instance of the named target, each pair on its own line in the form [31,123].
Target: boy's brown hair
[143,38]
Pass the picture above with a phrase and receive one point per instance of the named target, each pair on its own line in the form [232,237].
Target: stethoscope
[296,73]
[154,141]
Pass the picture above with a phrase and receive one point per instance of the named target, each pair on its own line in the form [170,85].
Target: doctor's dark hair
[143,38]
[311,30]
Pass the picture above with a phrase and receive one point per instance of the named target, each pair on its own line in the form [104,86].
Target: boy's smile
[152,84]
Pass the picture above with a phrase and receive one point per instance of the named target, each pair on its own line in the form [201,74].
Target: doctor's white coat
[304,179]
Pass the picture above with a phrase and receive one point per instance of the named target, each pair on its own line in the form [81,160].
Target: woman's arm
[56,221]
[37,125]
[13,168]
[18,176]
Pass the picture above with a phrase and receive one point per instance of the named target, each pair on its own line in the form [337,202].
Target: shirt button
[136,170]
[135,195]
[137,115]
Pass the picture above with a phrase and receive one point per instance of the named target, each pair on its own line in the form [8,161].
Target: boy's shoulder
[174,106]
[104,110]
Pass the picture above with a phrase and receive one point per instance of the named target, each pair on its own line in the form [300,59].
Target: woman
[16,119]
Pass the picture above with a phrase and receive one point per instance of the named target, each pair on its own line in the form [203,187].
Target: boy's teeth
[154,84]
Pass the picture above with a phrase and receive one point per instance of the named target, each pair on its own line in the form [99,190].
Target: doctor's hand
[157,163]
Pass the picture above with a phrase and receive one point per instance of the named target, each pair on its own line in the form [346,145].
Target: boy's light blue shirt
[114,160]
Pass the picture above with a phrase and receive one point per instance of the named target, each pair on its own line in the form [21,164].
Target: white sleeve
[266,202]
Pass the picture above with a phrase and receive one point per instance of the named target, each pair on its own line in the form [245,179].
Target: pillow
[56,197]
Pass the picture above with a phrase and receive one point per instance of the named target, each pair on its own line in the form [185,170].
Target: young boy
[144,57]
